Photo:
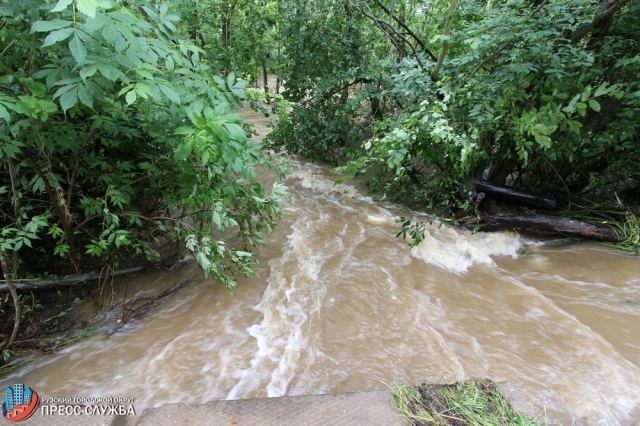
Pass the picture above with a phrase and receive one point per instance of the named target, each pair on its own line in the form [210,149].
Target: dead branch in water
[154,302]
[555,224]
[86,278]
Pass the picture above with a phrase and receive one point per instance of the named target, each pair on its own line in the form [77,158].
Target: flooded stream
[341,306]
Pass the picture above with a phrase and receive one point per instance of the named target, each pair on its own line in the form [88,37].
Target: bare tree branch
[78,279]
[407,29]
[445,43]
[607,9]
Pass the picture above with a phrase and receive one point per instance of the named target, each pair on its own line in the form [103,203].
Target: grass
[470,403]
[623,221]
[629,229]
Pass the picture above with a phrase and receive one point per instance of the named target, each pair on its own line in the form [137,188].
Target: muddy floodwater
[341,305]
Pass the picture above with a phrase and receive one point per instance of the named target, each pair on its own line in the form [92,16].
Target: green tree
[116,136]
[542,94]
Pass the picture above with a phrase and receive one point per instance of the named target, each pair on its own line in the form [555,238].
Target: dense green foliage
[543,95]
[116,136]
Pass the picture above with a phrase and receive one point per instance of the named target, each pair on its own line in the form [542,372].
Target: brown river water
[341,305]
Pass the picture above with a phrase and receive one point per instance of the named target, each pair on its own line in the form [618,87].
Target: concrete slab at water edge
[361,408]
[72,420]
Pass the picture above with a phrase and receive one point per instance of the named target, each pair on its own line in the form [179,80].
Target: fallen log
[513,195]
[555,224]
[86,278]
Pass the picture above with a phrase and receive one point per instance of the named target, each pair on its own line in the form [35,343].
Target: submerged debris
[140,307]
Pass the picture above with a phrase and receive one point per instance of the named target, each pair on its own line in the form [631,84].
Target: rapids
[342,306]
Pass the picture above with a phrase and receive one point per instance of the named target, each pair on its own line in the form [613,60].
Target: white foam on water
[381,219]
[294,295]
[314,178]
[347,305]
[456,251]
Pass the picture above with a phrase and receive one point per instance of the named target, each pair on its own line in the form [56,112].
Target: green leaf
[184,131]
[85,96]
[574,100]
[170,93]
[594,105]
[58,35]
[230,79]
[144,74]
[64,89]
[241,84]
[11,150]
[544,141]
[574,126]
[62,5]
[545,130]
[206,155]
[93,25]
[78,50]
[109,32]
[46,26]
[69,99]
[219,82]
[88,71]
[131,97]
[170,64]
[4,114]
[183,151]
[112,73]
[601,90]
[236,132]
[88,7]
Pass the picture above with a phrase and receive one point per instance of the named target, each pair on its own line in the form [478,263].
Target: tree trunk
[445,43]
[11,271]
[226,9]
[14,295]
[513,195]
[60,207]
[605,12]
[265,80]
[79,279]
[554,224]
